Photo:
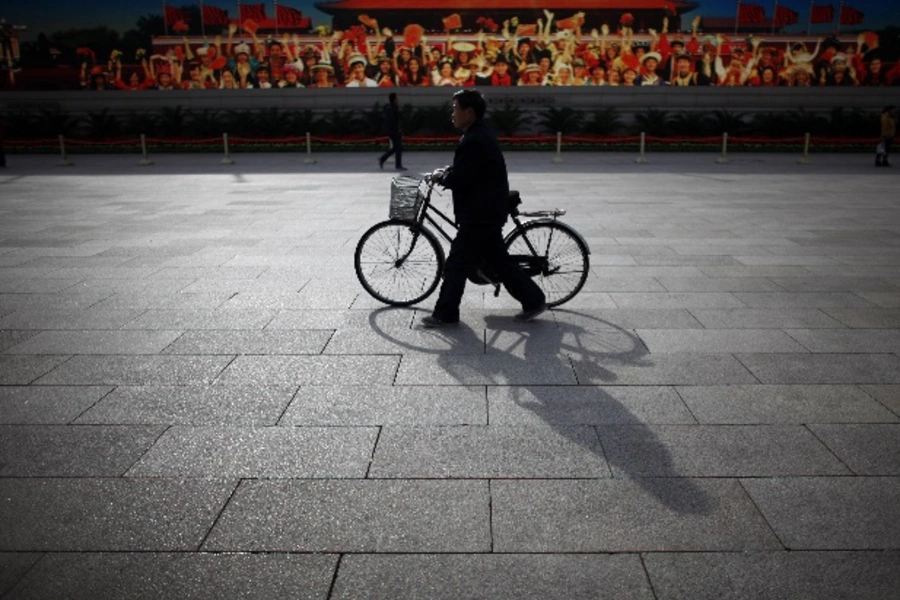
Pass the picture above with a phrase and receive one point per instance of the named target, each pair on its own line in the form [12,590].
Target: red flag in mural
[173,15]
[822,13]
[254,12]
[213,15]
[526,30]
[851,16]
[785,16]
[751,14]
[290,17]
[454,21]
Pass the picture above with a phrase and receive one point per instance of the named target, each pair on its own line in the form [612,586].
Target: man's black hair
[473,99]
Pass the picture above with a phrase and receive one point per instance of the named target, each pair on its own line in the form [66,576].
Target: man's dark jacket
[478,178]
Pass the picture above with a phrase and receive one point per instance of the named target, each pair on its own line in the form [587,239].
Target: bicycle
[400,261]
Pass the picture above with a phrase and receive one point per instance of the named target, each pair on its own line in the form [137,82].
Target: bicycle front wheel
[560,265]
[399,263]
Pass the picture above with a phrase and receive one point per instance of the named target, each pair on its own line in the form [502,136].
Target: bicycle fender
[549,220]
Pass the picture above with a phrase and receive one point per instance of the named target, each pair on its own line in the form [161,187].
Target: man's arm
[467,164]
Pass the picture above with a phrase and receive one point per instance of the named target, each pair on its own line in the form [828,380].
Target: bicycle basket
[406,199]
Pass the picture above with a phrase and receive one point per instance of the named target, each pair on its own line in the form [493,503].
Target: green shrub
[605,121]
[339,123]
[564,120]
[206,123]
[172,121]
[690,123]
[508,119]
[725,121]
[652,121]
[137,123]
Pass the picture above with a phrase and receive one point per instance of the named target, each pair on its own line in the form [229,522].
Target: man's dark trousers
[474,243]
[396,148]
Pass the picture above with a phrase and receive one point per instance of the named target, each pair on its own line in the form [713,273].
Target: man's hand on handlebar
[437,176]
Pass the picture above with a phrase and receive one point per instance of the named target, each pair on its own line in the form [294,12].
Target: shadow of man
[536,366]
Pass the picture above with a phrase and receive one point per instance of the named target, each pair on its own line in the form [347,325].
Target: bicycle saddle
[514,202]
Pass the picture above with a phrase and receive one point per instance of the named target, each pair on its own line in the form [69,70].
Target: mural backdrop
[218,45]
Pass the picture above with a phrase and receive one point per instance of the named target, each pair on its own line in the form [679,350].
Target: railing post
[558,157]
[63,160]
[309,159]
[805,160]
[724,158]
[642,159]
[227,160]
[145,159]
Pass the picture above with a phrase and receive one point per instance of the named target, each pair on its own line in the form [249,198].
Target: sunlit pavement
[198,399]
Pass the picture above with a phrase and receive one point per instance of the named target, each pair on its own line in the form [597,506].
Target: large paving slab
[387,405]
[492,452]
[13,566]
[60,451]
[57,405]
[868,449]
[716,451]
[823,368]
[187,405]
[355,516]
[194,576]
[585,405]
[840,513]
[120,369]
[96,342]
[24,369]
[108,514]
[647,514]
[259,452]
[199,400]
[755,404]
[773,575]
[495,576]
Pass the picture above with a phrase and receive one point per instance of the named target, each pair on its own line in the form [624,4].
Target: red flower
[627,20]
[180,26]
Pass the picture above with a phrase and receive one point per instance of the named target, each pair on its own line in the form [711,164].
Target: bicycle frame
[534,264]
[518,224]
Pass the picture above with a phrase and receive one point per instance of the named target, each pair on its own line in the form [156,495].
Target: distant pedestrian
[888,131]
[393,131]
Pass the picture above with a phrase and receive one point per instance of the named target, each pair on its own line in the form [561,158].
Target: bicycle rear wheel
[561,266]
[399,263]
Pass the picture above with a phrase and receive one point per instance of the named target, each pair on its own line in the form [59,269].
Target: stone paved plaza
[198,400]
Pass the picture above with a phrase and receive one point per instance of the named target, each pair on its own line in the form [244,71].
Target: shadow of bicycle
[563,373]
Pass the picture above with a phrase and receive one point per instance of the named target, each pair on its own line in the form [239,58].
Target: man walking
[392,129]
[480,188]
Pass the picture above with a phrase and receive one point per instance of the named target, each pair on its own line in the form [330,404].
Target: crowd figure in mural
[548,53]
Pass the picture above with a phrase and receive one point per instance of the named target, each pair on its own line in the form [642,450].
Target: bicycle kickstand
[496,290]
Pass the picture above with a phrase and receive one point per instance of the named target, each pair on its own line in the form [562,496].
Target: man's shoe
[530,314]
[401,168]
[432,322]
[380,164]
